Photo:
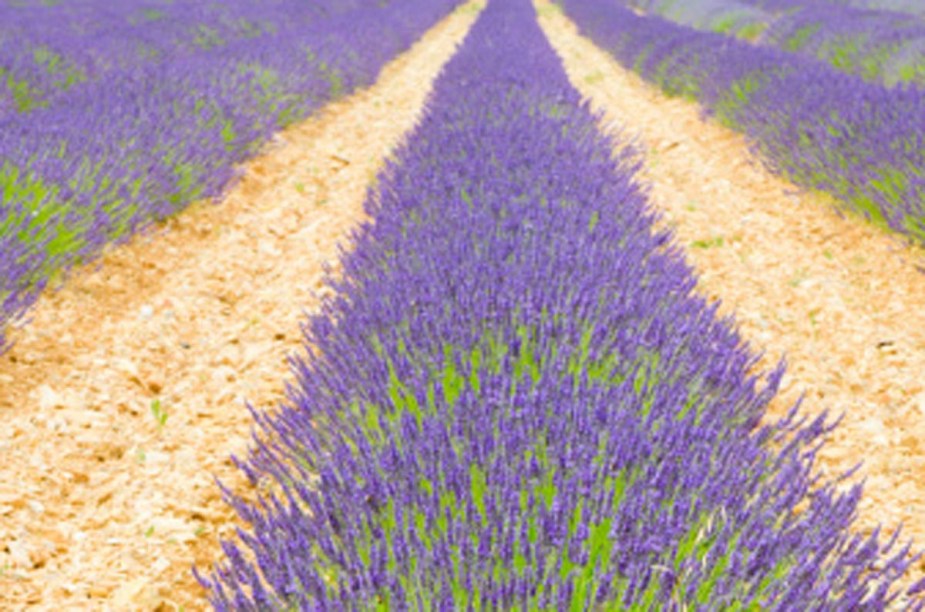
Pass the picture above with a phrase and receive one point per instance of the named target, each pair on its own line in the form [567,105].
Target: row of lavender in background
[49,48]
[142,138]
[907,7]
[734,17]
[912,7]
[516,402]
[862,142]
[877,45]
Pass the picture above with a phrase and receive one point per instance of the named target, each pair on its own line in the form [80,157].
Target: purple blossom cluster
[862,142]
[516,401]
[149,124]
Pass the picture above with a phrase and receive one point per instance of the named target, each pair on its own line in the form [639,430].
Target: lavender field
[441,339]
[114,118]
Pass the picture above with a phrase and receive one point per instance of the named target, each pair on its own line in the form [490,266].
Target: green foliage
[912,72]
[751,31]
[26,98]
[717,241]
[159,412]
[801,37]
[152,14]
[206,37]
[738,97]
[42,217]
[725,24]
[332,75]
[642,56]
[844,54]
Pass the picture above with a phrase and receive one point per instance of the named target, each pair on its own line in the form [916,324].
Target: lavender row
[739,18]
[822,129]
[912,7]
[516,401]
[906,7]
[877,45]
[48,49]
[107,159]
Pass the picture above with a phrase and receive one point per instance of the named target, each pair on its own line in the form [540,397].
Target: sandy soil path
[125,394]
[844,302]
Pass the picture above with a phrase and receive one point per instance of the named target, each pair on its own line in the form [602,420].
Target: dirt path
[102,506]
[844,302]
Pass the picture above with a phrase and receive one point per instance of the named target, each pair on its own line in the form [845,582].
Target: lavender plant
[862,142]
[138,134]
[516,401]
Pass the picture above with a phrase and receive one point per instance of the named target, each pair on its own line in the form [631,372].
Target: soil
[124,395]
[842,301]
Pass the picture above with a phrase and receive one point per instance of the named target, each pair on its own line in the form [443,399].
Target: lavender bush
[135,139]
[517,402]
[861,142]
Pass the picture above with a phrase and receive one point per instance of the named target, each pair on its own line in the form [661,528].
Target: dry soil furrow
[125,394]
[843,301]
